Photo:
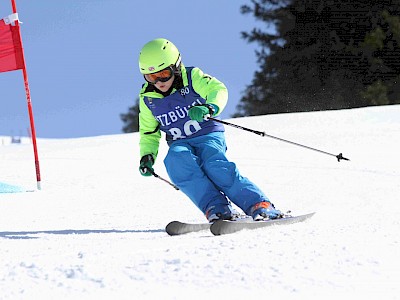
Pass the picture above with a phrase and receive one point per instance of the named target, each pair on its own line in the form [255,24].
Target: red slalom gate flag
[12,58]
[11,55]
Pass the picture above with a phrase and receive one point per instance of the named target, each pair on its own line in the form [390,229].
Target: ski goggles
[163,76]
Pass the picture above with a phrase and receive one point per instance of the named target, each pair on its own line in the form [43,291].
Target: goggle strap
[178,62]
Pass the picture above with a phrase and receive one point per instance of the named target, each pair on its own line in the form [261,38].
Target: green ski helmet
[157,55]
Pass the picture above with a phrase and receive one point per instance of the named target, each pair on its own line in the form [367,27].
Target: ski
[226,227]
[178,228]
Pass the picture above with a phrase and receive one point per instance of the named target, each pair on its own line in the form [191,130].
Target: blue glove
[198,112]
[146,165]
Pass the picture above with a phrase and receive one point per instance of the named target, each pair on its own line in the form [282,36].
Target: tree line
[318,55]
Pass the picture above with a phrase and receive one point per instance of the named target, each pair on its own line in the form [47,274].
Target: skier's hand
[199,112]
[146,165]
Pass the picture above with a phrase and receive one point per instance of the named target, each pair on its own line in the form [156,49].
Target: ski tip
[215,227]
[171,227]
[178,228]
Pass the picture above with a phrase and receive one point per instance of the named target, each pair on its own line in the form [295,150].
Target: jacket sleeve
[149,131]
[210,88]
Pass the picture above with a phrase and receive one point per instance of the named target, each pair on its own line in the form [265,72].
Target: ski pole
[339,156]
[163,179]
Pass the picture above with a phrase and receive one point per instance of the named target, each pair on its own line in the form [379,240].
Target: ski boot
[221,212]
[264,211]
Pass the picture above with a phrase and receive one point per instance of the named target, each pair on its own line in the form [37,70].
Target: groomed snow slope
[96,229]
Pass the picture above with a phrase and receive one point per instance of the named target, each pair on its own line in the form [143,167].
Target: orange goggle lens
[163,76]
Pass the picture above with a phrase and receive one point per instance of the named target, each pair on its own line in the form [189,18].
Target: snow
[96,229]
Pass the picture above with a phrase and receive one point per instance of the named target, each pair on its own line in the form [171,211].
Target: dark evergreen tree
[131,118]
[323,55]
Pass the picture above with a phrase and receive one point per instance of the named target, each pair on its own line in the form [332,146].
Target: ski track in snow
[96,229]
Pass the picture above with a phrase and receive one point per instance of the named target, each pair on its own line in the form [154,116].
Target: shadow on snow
[30,234]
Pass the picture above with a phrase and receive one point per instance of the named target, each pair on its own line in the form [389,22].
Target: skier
[177,100]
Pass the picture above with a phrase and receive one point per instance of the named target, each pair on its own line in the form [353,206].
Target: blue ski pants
[199,167]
